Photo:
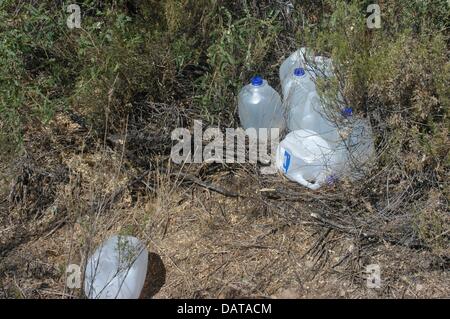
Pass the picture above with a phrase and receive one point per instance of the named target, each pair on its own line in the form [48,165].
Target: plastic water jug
[117,269]
[260,106]
[315,66]
[307,112]
[361,149]
[297,59]
[299,83]
[306,158]
[304,107]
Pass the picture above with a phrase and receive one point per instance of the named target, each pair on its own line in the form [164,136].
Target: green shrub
[38,67]
[239,48]
[397,77]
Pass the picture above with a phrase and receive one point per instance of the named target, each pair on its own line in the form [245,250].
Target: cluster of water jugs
[324,144]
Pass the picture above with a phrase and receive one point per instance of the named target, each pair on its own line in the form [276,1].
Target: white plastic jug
[260,106]
[306,112]
[117,269]
[299,83]
[315,66]
[306,158]
[361,149]
[297,59]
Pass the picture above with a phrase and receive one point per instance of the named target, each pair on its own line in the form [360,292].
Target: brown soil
[202,244]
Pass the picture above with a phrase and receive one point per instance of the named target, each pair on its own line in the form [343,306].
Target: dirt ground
[86,117]
[202,244]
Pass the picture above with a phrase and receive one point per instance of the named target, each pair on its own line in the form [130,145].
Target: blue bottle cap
[299,72]
[257,80]
[347,111]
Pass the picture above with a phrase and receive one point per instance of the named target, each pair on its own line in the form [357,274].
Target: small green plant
[127,253]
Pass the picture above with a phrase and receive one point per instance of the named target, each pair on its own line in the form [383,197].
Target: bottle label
[287,161]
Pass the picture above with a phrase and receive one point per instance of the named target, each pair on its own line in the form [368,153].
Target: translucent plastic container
[306,112]
[117,269]
[361,149]
[306,158]
[260,106]
[315,66]
[298,59]
[299,82]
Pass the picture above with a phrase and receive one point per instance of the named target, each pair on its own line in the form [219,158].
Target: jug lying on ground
[260,106]
[306,158]
[117,269]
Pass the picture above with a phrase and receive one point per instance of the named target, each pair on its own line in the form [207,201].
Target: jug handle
[313,186]
[311,95]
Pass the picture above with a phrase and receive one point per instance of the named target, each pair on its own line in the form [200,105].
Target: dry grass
[101,167]
[203,244]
